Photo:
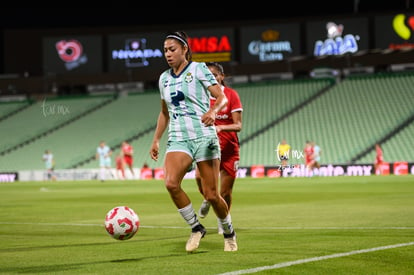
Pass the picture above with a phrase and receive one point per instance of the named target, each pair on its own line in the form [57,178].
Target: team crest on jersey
[188,78]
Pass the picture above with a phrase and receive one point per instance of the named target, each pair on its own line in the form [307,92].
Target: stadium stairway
[115,147]
[345,120]
[392,96]
[258,103]
[73,145]
[55,128]
[9,109]
[370,150]
[138,125]
[288,113]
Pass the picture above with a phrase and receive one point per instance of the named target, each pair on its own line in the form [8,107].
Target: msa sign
[215,45]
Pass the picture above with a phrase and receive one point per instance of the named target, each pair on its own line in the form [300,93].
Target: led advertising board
[212,45]
[337,37]
[394,31]
[260,44]
[72,54]
[136,52]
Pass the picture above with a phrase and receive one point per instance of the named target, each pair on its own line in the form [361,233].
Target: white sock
[226,224]
[102,173]
[189,215]
[220,226]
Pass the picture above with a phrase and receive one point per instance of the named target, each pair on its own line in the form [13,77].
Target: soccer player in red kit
[119,160]
[228,122]
[128,151]
[379,159]
[308,152]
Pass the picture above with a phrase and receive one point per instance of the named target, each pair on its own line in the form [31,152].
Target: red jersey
[127,150]
[379,157]
[229,141]
[308,154]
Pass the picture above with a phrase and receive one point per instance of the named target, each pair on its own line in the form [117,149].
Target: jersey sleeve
[161,84]
[234,101]
[205,76]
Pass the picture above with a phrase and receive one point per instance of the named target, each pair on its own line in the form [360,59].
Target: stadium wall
[255,171]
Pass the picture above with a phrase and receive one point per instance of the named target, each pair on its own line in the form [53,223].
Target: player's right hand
[154,155]
[154,151]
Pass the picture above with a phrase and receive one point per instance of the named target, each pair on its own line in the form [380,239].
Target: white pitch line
[241,228]
[328,227]
[302,261]
[275,266]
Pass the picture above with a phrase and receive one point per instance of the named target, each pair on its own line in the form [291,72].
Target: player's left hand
[208,118]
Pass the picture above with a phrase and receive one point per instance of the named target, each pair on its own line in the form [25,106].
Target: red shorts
[230,164]
[378,161]
[128,160]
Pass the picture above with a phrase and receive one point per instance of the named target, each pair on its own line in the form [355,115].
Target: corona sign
[261,44]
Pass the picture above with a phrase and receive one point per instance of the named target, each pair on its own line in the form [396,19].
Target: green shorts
[204,148]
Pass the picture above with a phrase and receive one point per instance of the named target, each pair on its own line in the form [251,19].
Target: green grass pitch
[319,225]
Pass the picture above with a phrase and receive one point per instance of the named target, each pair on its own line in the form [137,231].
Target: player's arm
[236,126]
[162,123]
[221,101]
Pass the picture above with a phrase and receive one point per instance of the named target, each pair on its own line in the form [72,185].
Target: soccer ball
[121,223]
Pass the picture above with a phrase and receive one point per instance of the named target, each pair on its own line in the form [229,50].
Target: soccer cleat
[193,242]
[204,208]
[230,243]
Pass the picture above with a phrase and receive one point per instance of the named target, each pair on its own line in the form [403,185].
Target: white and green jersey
[187,98]
[48,159]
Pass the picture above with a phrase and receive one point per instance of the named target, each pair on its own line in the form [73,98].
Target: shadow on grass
[64,267]
[112,242]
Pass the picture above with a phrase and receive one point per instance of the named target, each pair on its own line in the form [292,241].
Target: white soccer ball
[121,223]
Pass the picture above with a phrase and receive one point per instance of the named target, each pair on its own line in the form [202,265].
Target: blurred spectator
[379,159]
[104,153]
[283,151]
[120,170]
[49,164]
[128,151]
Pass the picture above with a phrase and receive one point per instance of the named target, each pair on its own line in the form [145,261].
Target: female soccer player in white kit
[185,91]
